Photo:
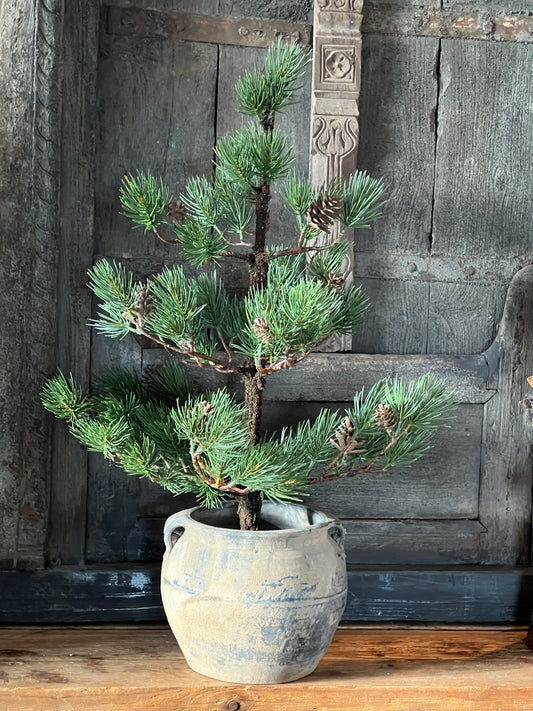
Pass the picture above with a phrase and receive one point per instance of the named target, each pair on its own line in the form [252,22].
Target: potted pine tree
[254,583]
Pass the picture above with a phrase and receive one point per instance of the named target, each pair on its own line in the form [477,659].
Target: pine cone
[324,211]
[343,440]
[334,280]
[261,329]
[385,418]
[143,306]
[176,210]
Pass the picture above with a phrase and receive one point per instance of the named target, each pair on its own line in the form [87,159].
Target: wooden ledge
[114,668]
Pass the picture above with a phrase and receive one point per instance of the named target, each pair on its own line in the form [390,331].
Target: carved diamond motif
[338,64]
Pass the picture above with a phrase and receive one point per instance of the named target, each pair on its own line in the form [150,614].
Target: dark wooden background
[446,118]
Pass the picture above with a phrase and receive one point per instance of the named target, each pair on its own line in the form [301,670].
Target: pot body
[255,607]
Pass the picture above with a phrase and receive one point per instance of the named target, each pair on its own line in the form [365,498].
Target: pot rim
[327,522]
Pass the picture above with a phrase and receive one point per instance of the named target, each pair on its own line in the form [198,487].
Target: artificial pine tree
[210,444]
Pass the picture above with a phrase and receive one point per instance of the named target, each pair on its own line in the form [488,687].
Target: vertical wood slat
[68,499]
[157,114]
[507,457]
[484,170]
[334,105]
[27,253]
[398,103]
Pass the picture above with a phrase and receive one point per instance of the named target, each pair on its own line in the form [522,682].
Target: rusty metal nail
[244,31]
[233,706]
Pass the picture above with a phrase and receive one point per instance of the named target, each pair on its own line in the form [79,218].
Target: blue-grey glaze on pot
[256,607]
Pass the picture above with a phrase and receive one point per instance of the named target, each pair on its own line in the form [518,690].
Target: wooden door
[445,119]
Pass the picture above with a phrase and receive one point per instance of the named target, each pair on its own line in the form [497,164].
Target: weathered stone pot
[255,607]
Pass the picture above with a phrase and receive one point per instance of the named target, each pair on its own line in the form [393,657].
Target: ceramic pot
[255,607]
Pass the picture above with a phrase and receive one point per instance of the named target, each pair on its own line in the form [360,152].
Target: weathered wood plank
[376,594]
[390,669]
[463,318]
[16,99]
[241,31]
[393,670]
[336,377]
[398,139]
[413,542]
[456,20]
[368,541]
[397,143]
[446,268]
[68,497]
[29,193]
[151,94]
[291,10]
[484,150]
[507,459]
[397,321]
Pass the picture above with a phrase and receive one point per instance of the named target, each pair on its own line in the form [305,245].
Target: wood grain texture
[389,669]
[29,194]
[157,113]
[16,59]
[130,592]
[187,27]
[452,19]
[68,495]
[464,317]
[505,495]
[397,321]
[484,150]
[398,100]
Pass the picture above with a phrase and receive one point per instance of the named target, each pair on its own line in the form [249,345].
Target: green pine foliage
[151,426]
[299,312]
[144,200]
[263,93]
[418,408]
[200,444]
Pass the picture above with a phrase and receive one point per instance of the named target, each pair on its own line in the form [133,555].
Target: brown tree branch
[184,353]
[324,476]
[166,240]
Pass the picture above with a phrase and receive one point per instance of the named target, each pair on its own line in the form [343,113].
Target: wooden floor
[140,668]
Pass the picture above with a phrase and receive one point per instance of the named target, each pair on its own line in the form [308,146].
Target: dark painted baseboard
[130,593]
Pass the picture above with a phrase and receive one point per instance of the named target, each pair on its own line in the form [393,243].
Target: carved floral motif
[338,64]
[340,5]
[335,137]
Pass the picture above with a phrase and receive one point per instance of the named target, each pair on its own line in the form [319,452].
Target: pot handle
[337,533]
[174,530]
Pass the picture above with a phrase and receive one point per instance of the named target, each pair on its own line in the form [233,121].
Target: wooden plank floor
[114,668]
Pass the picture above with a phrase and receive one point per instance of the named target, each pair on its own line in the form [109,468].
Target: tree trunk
[249,510]
[253,401]
[249,506]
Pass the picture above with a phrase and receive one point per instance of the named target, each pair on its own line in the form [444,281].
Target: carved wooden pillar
[334,100]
